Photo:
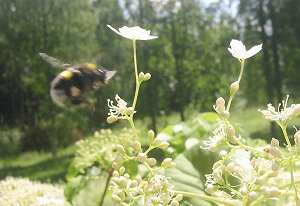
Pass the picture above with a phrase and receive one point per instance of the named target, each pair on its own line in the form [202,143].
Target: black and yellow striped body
[71,85]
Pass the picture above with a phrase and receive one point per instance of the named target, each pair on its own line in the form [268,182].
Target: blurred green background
[189,63]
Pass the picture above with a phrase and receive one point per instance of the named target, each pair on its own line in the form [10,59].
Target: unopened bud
[297,138]
[118,159]
[220,105]
[274,142]
[116,198]
[120,149]
[234,87]
[230,131]
[230,167]
[142,157]
[112,119]
[157,141]
[164,145]
[210,188]
[225,114]
[274,192]
[129,111]
[296,110]
[137,146]
[134,183]
[174,203]
[155,200]
[253,196]
[141,76]
[147,76]
[123,181]
[275,166]
[151,161]
[274,151]
[223,153]
[151,134]
[115,174]
[179,197]
[122,170]
[167,162]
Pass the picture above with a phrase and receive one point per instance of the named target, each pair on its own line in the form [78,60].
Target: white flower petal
[134,33]
[254,50]
[238,49]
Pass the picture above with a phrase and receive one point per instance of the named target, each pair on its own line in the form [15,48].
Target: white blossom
[238,50]
[218,134]
[119,110]
[134,33]
[283,112]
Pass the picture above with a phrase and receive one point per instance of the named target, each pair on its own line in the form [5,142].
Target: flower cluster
[152,188]
[22,191]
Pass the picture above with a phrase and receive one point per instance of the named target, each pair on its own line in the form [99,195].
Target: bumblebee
[71,85]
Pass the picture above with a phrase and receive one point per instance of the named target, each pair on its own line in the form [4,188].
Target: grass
[38,166]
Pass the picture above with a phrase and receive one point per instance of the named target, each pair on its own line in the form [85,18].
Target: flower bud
[174,203]
[157,141]
[164,145]
[129,111]
[234,87]
[172,165]
[274,142]
[253,196]
[230,167]
[296,110]
[179,197]
[134,183]
[123,181]
[275,166]
[112,119]
[225,114]
[122,170]
[151,134]
[297,138]
[137,146]
[220,102]
[230,131]
[118,159]
[116,165]
[120,149]
[223,153]
[210,188]
[151,161]
[274,192]
[147,76]
[274,151]
[141,76]
[142,157]
[155,200]
[126,175]
[243,190]
[115,174]
[116,198]
[166,163]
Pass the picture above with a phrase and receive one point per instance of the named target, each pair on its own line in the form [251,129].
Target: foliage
[10,141]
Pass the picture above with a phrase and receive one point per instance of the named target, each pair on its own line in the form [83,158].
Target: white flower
[121,110]
[134,33]
[218,134]
[238,49]
[281,115]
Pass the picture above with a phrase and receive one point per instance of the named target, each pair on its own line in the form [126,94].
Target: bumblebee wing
[109,74]
[54,62]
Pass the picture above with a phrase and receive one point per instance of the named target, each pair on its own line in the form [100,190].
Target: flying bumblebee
[70,86]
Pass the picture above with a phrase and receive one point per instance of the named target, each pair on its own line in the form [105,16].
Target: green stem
[283,128]
[209,198]
[137,83]
[292,179]
[239,79]
[131,122]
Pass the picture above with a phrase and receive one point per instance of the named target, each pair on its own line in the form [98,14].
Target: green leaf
[188,176]
[74,186]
